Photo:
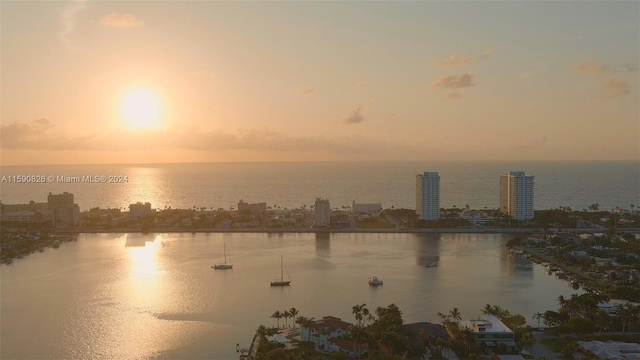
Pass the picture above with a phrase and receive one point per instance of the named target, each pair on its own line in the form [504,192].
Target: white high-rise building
[516,195]
[428,196]
[322,213]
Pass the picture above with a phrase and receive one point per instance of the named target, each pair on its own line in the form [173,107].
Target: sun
[140,108]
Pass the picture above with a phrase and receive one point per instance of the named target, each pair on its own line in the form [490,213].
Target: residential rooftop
[486,323]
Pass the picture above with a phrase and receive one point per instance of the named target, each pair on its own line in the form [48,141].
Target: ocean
[576,184]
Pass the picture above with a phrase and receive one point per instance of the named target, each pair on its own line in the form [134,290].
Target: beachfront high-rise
[516,195]
[428,196]
[66,213]
[322,213]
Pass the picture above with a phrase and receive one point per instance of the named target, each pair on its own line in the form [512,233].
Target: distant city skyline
[170,82]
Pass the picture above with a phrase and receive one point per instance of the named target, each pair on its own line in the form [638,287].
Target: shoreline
[343,231]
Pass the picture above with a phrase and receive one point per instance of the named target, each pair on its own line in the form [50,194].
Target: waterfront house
[327,328]
[490,331]
[611,307]
[350,348]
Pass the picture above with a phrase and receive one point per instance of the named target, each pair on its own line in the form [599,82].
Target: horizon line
[328,161]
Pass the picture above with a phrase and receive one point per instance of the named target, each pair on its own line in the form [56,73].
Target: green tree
[286,315]
[277,315]
[538,316]
[455,314]
[526,341]
[293,312]
[357,311]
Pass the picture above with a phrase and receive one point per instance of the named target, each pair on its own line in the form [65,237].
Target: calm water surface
[135,296]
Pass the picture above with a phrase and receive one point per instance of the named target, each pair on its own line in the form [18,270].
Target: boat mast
[224,246]
[281,273]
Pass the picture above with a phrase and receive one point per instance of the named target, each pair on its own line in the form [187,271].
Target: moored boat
[224,266]
[282,281]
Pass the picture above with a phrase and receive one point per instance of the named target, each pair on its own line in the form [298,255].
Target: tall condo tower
[516,195]
[428,196]
[66,213]
[322,213]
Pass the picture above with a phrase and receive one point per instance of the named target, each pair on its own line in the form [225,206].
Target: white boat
[374,281]
[431,264]
[224,266]
[282,281]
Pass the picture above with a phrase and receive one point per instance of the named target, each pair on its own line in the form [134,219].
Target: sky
[161,82]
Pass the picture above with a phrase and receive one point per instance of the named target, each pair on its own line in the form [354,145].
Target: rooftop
[487,323]
[612,350]
[333,323]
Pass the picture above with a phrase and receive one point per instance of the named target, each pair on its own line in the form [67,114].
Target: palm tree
[442,316]
[371,318]
[538,316]
[277,315]
[526,341]
[455,314]
[356,334]
[562,301]
[365,316]
[467,338]
[293,312]
[357,311]
[304,324]
[286,314]
[488,310]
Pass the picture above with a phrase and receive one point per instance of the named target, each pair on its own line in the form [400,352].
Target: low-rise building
[369,209]
[31,217]
[612,350]
[255,208]
[327,328]
[350,348]
[490,330]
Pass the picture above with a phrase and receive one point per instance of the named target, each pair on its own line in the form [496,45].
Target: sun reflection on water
[143,259]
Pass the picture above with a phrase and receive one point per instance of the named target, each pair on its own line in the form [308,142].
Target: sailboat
[224,266]
[281,282]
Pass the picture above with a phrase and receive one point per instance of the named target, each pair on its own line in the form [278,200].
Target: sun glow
[140,108]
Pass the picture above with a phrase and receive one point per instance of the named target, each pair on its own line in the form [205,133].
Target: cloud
[615,88]
[20,135]
[461,60]
[41,135]
[116,20]
[612,86]
[454,81]
[360,85]
[305,90]
[486,54]
[69,22]
[589,68]
[454,95]
[355,117]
